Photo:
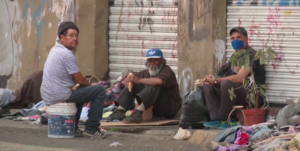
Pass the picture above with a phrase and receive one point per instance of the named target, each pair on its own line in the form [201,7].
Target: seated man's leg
[226,103]
[163,107]
[96,95]
[146,98]
[213,100]
[125,100]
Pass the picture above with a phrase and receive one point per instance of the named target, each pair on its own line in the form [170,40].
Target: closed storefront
[136,26]
[275,23]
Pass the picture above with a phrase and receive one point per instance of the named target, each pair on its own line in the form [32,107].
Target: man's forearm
[235,78]
[84,83]
[150,81]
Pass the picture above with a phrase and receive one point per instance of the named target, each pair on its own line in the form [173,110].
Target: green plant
[113,129]
[253,90]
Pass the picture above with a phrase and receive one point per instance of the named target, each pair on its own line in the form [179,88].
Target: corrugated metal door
[279,20]
[136,26]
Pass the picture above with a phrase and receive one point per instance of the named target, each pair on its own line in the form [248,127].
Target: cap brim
[154,57]
[237,30]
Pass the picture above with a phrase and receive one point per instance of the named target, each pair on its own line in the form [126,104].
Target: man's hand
[198,83]
[132,78]
[210,79]
[125,82]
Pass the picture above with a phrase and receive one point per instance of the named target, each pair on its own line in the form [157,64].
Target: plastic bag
[289,115]
[194,109]
[182,134]
[115,144]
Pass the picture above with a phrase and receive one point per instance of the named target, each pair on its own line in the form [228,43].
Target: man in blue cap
[155,86]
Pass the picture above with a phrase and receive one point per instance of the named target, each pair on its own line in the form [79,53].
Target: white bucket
[61,120]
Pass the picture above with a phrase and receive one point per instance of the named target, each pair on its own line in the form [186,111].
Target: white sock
[141,107]
[120,107]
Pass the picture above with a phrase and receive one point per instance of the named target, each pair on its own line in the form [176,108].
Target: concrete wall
[28,31]
[92,51]
[201,39]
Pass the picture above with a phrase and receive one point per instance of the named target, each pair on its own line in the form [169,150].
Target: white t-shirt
[57,78]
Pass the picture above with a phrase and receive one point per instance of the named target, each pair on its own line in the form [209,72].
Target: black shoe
[135,117]
[95,132]
[118,114]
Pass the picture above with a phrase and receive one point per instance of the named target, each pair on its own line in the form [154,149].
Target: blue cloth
[154,53]
[37,106]
[260,131]
[84,113]
[109,108]
[58,81]
[6,96]
[227,135]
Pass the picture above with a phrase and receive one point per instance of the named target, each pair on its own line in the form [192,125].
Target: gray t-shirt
[6,96]
[57,78]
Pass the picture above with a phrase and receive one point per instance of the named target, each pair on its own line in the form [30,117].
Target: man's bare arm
[150,81]
[80,79]
[238,78]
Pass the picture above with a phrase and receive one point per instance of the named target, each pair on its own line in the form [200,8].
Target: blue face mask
[237,44]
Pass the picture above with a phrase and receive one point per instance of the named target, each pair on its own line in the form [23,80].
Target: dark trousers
[219,103]
[96,95]
[149,95]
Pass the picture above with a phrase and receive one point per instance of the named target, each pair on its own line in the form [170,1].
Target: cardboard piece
[151,123]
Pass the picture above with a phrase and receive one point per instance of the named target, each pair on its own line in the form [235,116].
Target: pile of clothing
[38,113]
[112,94]
[282,134]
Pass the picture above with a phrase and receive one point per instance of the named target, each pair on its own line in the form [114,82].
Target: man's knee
[99,89]
[227,84]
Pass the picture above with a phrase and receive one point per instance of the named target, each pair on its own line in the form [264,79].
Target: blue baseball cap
[154,53]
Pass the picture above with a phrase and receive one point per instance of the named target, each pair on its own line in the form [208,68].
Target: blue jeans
[95,95]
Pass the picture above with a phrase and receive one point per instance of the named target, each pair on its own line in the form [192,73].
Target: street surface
[22,136]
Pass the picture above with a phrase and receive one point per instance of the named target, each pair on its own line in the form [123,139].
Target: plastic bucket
[61,120]
[254,116]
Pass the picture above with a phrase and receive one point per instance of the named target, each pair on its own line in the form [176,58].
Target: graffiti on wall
[274,32]
[10,47]
[36,15]
[12,22]
[193,28]
[273,24]
[219,50]
[265,2]
[186,80]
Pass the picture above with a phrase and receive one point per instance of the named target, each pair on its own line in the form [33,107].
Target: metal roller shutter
[136,26]
[280,19]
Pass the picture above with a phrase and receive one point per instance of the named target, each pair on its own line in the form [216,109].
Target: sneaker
[225,125]
[213,124]
[118,114]
[135,117]
[78,133]
[95,132]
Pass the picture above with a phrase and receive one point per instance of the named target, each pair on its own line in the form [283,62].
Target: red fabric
[244,139]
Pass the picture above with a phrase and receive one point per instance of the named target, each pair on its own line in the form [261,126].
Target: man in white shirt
[61,73]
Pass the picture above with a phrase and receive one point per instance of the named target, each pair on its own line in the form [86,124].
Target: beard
[153,70]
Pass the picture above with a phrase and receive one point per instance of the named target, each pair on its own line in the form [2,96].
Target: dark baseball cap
[241,30]
[63,26]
